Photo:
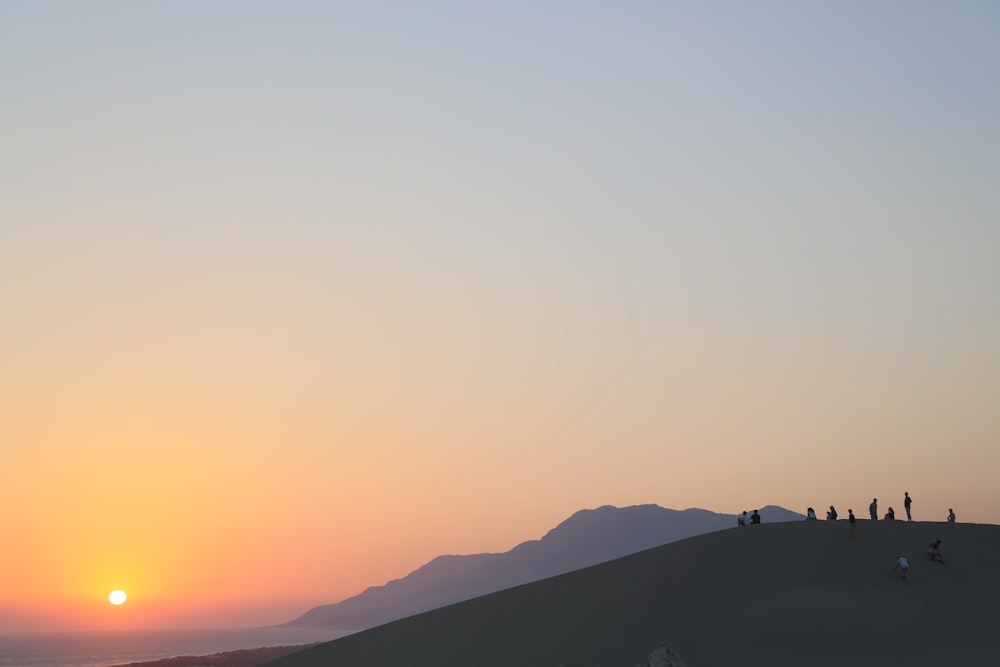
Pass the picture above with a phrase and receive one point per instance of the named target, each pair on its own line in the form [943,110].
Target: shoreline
[239,658]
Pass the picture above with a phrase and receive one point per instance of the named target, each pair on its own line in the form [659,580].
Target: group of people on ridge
[891,514]
[831,514]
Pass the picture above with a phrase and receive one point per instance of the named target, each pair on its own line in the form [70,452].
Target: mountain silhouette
[586,538]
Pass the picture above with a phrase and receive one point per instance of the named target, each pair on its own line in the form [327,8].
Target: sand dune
[790,594]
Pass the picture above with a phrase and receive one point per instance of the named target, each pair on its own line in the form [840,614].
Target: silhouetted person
[873,509]
[810,514]
[890,515]
[903,565]
[850,517]
[742,519]
[906,505]
[951,515]
[832,514]
[754,518]
[934,551]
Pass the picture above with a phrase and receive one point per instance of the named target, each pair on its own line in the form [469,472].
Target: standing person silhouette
[850,517]
[906,504]
[873,509]
[951,515]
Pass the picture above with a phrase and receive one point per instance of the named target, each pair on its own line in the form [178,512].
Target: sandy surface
[790,594]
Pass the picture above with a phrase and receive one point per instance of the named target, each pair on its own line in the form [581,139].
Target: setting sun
[117,597]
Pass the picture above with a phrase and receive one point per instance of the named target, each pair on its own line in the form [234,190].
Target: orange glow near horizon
[242,532]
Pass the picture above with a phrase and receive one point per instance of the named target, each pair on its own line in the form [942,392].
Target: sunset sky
[296,296]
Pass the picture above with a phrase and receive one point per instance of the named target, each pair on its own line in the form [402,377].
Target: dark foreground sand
[793,594]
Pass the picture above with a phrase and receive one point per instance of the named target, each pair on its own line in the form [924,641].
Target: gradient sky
[296,296]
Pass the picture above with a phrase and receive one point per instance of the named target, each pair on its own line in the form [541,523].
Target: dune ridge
[801,593]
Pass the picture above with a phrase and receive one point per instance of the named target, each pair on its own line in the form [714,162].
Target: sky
[296,296]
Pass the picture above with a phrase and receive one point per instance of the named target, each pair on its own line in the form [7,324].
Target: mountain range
[586,538]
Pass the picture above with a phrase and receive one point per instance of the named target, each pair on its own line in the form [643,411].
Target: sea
[102,649]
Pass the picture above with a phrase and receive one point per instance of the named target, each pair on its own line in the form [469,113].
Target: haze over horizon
[297,296]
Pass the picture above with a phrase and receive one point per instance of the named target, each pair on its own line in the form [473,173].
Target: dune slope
[776,594]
